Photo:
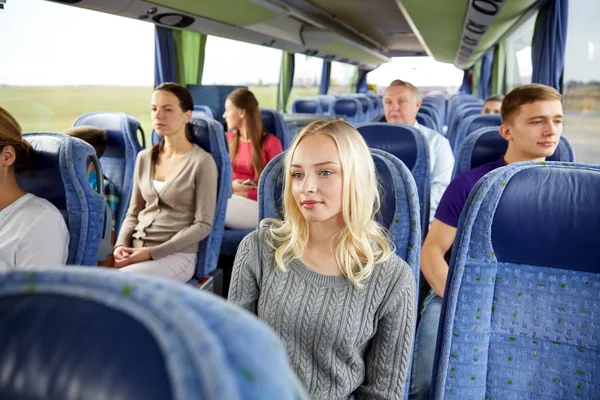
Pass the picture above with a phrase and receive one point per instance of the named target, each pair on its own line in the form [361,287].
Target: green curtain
[189,56]
[354,85]
[286,80]
[476,78]
[499,69]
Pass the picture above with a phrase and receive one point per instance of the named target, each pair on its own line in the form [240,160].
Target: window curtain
[286,80]
[325,77]
[164,56]
[549,43]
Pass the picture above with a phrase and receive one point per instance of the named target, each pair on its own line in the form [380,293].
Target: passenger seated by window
[250,149]
[326,279]
[33,233]
[532,124]
[174,195]
[97,138]
[401,103]
[492,104]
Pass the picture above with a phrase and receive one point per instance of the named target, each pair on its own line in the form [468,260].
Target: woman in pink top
[250,149]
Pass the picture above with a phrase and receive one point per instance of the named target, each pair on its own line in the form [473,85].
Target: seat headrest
[399,140]
[118,126]
[44,179]
[309,106]
[53,355]
[200,133]
[269,122]
[482,121]
[348,107]
[491,146]
[547,216]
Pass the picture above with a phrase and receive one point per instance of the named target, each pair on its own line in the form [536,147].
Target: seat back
[59,175]
[399,211]
[433,113]
[202,111]
[461,113]
[118,160]
[326,101]
[274,123]
[470,125]
[520,317]
[486,145]
[351,108]
[410,146]
[367,105]
[208,134]
[427,121]
[82,333]
[306,105]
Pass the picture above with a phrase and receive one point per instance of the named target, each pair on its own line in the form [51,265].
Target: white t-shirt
[33,234]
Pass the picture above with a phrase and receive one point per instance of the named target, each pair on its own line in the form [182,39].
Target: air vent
[174,20]
[309,52]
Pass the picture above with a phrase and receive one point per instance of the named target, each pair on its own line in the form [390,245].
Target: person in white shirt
[401,103]
[33,233]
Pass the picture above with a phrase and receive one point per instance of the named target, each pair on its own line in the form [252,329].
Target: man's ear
[505,131]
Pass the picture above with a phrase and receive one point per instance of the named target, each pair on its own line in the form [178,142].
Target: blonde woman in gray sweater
[326,279]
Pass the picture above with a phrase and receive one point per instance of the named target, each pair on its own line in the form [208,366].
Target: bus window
[519,66]
[307,77]
[67,61]
[342,78]
[424,72]
[581,82]
[228,62]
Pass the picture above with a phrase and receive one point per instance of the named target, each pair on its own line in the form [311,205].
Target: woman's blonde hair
[362,242]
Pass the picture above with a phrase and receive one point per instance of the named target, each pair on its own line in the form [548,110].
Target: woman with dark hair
[33,233]
[250,149]
[174,195]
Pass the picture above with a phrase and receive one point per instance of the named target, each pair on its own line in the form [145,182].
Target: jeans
[424,348]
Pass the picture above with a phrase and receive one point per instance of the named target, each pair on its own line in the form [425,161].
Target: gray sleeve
[245,277]
[388,357]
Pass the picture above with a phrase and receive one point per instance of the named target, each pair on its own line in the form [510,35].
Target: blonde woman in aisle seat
[326,278]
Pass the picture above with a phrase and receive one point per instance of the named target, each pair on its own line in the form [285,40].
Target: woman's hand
[125,256]
[241,189]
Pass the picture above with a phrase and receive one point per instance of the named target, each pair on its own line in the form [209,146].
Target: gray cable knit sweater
[343,342]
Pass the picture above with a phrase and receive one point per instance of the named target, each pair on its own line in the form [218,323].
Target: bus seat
[471,124]
[410,146]
[422,119]
[59,175]
[367,105]
[433,113]
[274,123]
[397,202]
[118,160]
[399,212]
[202,111]
[82,333]
[326,101]
[377,105]
[351,108]
[460,99]
[379,118]
[486,145]
[427,121]
[306,105]
[461,113]
[208,134]
[519,318]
